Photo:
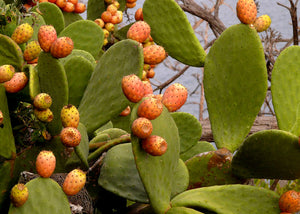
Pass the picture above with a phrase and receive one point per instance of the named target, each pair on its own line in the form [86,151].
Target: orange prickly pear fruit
[43,115]
[74,182]
[150,108]
[6,73]
[154,54]
[69,116]
[147,87]
[246,11]
[139,15]
[126,111]
[139,31]
[80,7]
[70,136]
[150,73]
[46,36]
[16,83]
[106,16]
[174,97]
[32,50]
[289,202]
[69,7]
[45,163]
[62,47]
[155,145]
[100,23]
[22,33]
[130,5]
[262,23]
[42,101]
[19,195]
[142,127]
[133,88]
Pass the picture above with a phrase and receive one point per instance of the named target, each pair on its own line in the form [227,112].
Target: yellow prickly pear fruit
[262,23]
[32,51]
[69,116]
[22,33]
[42,101]
[6,73]
[19,195]
[44,115]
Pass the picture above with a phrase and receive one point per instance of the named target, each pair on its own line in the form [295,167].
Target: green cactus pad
[122,122]
[233,106]
[78,70]
[157,183]
[100,138]
[52,73]
[86,35]
[182,210]
[77,52]
[95,8]
[107,125]
[45,196]
[296,127]
[268,154]
[36,21]
[171,29]
[10,52]
[82,150]
[119,175]
[99,104]
[113,132]
[121,33]
[52,15]
[199,147]
[71,17]
[5,184]
[285,87]
[235,198]
[211,168]
[189,128]
[34,82]
[7,142]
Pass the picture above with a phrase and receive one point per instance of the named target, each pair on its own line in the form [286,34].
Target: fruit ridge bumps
[246,11]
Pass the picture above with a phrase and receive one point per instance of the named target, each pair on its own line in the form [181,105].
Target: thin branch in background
[201,106]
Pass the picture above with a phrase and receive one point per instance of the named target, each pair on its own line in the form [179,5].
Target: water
[281,21]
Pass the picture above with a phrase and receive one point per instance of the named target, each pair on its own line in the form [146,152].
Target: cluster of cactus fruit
[100,124]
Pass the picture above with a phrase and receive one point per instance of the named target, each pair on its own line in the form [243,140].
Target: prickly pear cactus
[45,196]
[171,29]
[270,154]
[6,183]
[71,17]
[285,85]
[98,104]
[233,198]
[199,147]
[10,52]
[182,210]
[233,106]
[36,21]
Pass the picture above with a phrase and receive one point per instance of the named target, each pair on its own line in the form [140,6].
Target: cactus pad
[285,87]
[6,183]
[189,129]
[34,82]
[52,73]
[98,104]
[82,150]
[77,81]
[211,168]
[233,106]
[86,35]
[52,15]
[45,196]
[71,17]
[157,184]
[201,146]
[171,29]
[7,142]
[77,52]
[273,154]
[235,198]
[10,52]
[95,8]
[182,210]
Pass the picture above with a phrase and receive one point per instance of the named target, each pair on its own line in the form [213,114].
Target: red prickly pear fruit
[126,111]
[147,87]
[22,33]
[43,115]
[70,137]
[130,5]
[74,182]
[19,195]
[1,118]
[69,116]
[174,97]
[32,51]
[139,14]
[142,127]
[6,73]
[45,163]
[150,108]
[16,83]
[150,73]
[262,23]
[289,202]
[155,145]
[139,31]
[246,11]
[42,101]
[154,54]
[133,88]
[46,36]
[62,47]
